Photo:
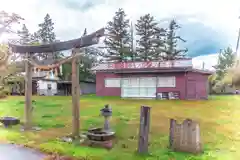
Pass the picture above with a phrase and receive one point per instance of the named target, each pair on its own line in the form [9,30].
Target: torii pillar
[75,95]
[28,94]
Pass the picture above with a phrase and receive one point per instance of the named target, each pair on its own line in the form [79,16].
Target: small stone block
[101,144]
[37,128]
[32,129]
[9,121]
[67,139]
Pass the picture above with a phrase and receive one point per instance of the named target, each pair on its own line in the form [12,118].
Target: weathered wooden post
[28,94]
[75,96]
[144,130]
[171,132]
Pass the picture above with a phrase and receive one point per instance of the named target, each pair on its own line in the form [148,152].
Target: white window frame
[130,82]
[166,79]
[144,82]
[112,85]
[49,86]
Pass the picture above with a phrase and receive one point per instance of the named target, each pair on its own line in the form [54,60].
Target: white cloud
[220,15]
[208,60]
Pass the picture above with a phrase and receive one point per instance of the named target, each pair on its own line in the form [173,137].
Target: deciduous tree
[225,71]
[8,70]
[8,67]
[226,59]
[7,20]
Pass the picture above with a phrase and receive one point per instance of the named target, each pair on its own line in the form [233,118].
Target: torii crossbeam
[84,41]
[75,45]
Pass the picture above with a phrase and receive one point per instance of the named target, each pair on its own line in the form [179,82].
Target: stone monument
[185,137]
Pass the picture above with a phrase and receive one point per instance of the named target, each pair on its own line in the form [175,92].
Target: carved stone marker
[185,137]
[144,130]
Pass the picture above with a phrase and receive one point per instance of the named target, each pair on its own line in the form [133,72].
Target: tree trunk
[75,97]
[28,95]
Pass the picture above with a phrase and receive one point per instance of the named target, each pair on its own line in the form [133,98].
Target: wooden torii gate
[75,45]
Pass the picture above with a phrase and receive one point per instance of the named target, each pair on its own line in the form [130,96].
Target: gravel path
[14,152]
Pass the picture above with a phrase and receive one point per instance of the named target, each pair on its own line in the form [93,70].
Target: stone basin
[9,121]
[98,134]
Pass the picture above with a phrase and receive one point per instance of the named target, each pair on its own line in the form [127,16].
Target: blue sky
[207,25]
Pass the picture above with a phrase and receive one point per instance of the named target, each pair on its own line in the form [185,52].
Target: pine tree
[160,35]
[35,38]
[46,32]
[25,36]
[146,28]
[118,40]
[171,51]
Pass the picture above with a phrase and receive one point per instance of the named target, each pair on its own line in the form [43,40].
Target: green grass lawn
[219,119]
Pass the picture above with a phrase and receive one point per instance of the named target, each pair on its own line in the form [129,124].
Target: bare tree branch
[6,20]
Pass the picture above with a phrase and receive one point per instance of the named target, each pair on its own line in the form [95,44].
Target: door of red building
[191,89]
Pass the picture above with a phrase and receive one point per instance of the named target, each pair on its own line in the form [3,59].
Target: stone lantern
[106,112]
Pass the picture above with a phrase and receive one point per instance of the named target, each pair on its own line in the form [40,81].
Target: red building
[164,80]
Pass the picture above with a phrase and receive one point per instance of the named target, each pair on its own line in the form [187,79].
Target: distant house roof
[171,70]
[36,75]
[149,67]
[64,82]
[144,65]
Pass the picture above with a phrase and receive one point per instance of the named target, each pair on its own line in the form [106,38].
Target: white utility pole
[237,54]
[203,65]
[238,39]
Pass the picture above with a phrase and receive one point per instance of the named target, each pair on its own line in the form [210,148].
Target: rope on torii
[52,66]
[4,59]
